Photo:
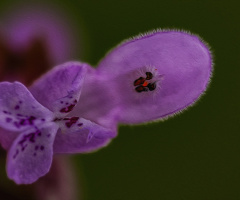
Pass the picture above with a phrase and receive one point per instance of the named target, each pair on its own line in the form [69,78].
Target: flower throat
[143,84]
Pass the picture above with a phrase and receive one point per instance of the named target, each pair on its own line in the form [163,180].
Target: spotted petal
[78,135]
[30,156]
[59,90]
[19,110]
[157,74]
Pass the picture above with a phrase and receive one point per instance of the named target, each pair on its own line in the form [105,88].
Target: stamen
[139,81]
[143,85]
[141,89]
[149,75]
[151,86]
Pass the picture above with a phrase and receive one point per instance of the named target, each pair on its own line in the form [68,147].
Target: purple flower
[33,38]
[39,128]
[150,77]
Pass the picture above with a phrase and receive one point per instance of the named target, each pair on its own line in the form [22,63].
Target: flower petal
[157,74]
[97,102]
[30,156]
[59,90]
[79,135]
[18,108]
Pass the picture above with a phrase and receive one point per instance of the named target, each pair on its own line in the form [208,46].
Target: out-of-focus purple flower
[36,131]
[24,23]
[60,183]
[34,38]
[149,77]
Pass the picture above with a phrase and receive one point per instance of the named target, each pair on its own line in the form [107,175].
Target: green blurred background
[193,156]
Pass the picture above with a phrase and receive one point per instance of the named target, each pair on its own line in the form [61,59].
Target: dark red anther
[141,89]
[149,75]
[139,81]
[151,86]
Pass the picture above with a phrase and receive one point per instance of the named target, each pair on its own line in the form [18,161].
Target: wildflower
[36,130]
[150,77]
[147,78]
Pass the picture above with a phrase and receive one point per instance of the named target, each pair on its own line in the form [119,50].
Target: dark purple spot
[8,119]
[72,121]
[17,107]
[70,97]
[61,102]
[22,122]
[39,134]
[48,135]
[75,101]
[20,102]
[57,119]
[16,153]
[67,109]
[6,112]
[66,103]
[31,119]
[30,137]
[23,148]
[43,120]
[16,124]
[34,154]
[42,148]
[20,115]
[80,124]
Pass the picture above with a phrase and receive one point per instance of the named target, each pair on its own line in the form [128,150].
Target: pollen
[145,84]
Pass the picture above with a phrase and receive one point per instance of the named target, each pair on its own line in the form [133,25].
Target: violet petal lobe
[97,102]
[60,88]
[18,109]
[78,135]
[157,74]
[30,156]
